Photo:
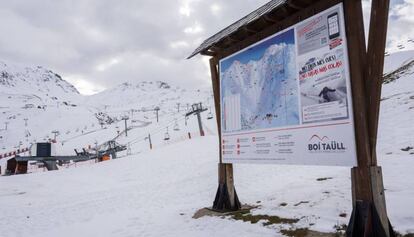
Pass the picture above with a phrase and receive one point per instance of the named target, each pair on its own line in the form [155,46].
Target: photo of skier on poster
[323,87]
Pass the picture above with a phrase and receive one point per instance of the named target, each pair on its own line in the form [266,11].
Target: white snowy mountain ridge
[37,81]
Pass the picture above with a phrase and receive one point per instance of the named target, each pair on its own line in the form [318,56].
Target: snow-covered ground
[156,192]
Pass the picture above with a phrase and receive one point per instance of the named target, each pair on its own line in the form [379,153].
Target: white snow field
[156,192]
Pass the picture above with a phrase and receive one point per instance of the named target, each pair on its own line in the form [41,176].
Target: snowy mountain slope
[146,95]
[156,192]
[33,103]
[397,59]
[36,102]
[34,85]
[397,110]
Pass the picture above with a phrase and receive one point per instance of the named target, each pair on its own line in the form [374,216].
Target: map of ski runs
[265,90]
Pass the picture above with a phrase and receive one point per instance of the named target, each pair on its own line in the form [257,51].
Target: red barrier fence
[13,153]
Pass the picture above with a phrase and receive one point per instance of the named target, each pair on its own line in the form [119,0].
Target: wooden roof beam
[296,4]
[208,53]
[281,13]
[231,39]
[249,29]
[227,41]
[216,48]
[269,19]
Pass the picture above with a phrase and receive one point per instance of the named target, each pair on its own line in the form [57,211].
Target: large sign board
[287,99]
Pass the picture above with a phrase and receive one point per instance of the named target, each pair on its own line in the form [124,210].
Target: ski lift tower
[156,109]
[197,109]
[125,118]
[55,133]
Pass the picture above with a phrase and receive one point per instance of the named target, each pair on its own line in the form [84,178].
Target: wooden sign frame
[369,215]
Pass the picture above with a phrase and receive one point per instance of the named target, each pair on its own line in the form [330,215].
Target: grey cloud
[144,39]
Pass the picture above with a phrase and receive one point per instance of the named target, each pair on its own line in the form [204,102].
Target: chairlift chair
[176,127]
[209,115]
[166,135]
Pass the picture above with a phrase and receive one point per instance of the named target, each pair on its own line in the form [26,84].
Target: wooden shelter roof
[268,14]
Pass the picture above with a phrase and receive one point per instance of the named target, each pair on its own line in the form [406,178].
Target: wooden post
[375,67]
[373,76]
[216,92]
[226,196]
[369,211]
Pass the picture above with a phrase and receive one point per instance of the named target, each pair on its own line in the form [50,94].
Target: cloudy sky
[97,44]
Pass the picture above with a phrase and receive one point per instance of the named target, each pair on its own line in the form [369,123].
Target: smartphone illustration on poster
[333,25]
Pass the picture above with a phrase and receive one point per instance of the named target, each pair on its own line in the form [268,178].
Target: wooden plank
[373,77]
[208,53]
[215,80]
[361,184]
[353,184]
[375,65]
[221,173]
[269,19]
[356,44]
[379,197]
[249,29]
[296,4]
[230,184]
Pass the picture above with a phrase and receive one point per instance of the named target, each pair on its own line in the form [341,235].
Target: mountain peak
[18,79]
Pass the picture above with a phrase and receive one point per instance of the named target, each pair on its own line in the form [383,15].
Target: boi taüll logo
[324,144]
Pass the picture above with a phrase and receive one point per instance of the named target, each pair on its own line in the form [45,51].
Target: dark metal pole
[200,125]
[126,128]
[149,139]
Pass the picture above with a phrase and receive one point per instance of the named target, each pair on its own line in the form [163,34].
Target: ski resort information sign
[287,99]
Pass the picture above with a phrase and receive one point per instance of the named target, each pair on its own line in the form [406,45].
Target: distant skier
[325,93]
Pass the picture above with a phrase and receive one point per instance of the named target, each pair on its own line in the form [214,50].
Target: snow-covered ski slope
[156,192]
[34,102]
